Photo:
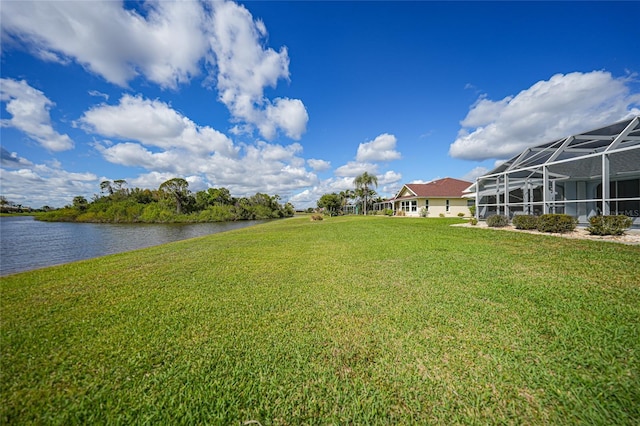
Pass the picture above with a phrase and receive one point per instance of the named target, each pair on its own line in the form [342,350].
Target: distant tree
[345,196]
[213,197]
[119,186]
[80,203]
[142,196]
[362,183]
[220,196]
[178,190]
[289,210]
[330,202]
[105,187]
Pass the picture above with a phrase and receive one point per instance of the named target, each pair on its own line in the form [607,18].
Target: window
[447,205]
[426,204]
[409,206]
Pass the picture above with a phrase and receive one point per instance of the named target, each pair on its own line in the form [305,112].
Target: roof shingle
[447,187]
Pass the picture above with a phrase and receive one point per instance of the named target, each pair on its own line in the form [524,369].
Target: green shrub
[216,213]
[473,221]
[424,212]
[441,215]
[388,212]
[460,214]
[497,221]
[557,223]
[609,225]
[66,214]
[523,221]
[316,217]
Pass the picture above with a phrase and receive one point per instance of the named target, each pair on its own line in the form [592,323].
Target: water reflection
[29,244]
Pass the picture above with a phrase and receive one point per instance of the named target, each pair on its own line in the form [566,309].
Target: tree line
[171,202]
[363,197]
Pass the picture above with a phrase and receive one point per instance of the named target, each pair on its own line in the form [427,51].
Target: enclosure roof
[619,135]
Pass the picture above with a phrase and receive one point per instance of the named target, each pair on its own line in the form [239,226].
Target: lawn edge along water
[365,320]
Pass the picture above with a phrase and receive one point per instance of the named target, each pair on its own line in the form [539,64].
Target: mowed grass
[352,320]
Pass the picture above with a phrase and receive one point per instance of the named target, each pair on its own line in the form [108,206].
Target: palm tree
[362,183]
[345,196]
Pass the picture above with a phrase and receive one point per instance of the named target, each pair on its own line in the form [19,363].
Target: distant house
[443,196]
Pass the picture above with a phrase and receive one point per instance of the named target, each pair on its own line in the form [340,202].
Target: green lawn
[354,320]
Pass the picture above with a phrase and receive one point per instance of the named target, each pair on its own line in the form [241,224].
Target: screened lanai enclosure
[591,173]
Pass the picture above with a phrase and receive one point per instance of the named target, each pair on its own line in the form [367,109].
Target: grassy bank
[350,320]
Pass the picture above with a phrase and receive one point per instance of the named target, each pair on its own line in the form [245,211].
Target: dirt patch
[631,236]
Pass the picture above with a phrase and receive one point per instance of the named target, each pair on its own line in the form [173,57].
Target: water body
[27,244]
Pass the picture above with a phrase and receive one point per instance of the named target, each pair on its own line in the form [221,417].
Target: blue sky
[297,98]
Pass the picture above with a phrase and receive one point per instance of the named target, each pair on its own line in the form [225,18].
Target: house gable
[441,188]
[405,192]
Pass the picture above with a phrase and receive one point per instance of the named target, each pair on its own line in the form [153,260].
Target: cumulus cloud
[246,68]
[151,135]
[154,123]
[355,168]
[319,165]
[474,173]
[388,185]
[290,115]
[36,185]
[382,148]
[260,167]
[309,196]
[166,43]
[389,177]
[273,168]
[550,109]
[165,46]
[29,109]
[12,160]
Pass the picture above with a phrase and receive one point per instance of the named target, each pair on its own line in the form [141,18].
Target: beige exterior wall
[438,206]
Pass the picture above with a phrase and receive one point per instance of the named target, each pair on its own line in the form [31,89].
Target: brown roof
[447,187]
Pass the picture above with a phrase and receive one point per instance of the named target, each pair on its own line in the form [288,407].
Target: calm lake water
[29,244]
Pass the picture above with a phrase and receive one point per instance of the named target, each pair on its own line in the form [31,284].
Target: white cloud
[97,93]
[36,185]
[150,180]
[382,148]
[550,109]
[388,185]
[12,160]
[262,167]
[154,123]
[29,109]
[389,177]
[474,173]
[290,115]
[309,197]
[246,68]
[167,45]
[118,44]
[319,165]
[355,168]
